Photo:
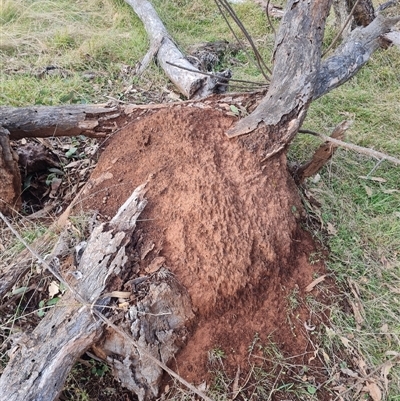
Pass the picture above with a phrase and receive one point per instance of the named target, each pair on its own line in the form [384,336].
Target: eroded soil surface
[228,227]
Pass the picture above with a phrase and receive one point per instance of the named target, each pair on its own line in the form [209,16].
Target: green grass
[104,36]
[365,213]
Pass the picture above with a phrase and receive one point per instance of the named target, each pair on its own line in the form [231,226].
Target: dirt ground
[228,226]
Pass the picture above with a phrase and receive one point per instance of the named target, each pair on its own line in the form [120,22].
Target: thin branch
[234,34]
[388,4]
[341,31]
[269,20]
[356,148]
[217,76]
[260,62]
[248,36]
[79,297]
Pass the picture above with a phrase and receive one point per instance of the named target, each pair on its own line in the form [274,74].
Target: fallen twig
[83,303]
[342,29]
[356,148]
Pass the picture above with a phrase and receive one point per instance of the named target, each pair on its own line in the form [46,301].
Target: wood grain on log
[39,362]
[44,121]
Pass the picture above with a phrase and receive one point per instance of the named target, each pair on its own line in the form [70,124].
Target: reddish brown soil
[228,227]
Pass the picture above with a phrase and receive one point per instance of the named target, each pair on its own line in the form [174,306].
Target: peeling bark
[40,362]
[294,76]
[10,178]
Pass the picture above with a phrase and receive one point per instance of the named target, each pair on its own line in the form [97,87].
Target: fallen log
[96,120]
[188,79]
[45,121]
[39,362]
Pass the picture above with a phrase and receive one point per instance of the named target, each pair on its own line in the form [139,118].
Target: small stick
[216,76]
[341,31]
[356,148]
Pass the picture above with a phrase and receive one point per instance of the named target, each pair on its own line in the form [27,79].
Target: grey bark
[299,76]
[44,121]
[39,362]
[297,58]
[190,84]
[351,55]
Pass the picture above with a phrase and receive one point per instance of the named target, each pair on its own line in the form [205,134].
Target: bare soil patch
[227,226]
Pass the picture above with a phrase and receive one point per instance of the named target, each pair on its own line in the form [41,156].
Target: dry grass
[103,37]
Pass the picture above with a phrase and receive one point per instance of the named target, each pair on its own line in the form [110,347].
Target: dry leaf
[385,372]
[155,264]
[357,310]
[54,289]
[349,372]
[311,286]
[331,229]
[330,332]
[357,306]
[374,391]
[119,294]
[368,190]
[362,365]
[235,386]
[314,356]
[326,357]
[346,342]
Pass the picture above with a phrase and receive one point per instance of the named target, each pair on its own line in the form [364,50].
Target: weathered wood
[351,55]
[322,155]
[90,120]
[10,178]
[294,76]
[70,120]
[300,77]
[40,362]
[190,84]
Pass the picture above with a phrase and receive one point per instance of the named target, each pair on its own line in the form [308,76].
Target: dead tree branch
[355,148]
[322,155]
[190,84]
[351,55]
[40,362]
